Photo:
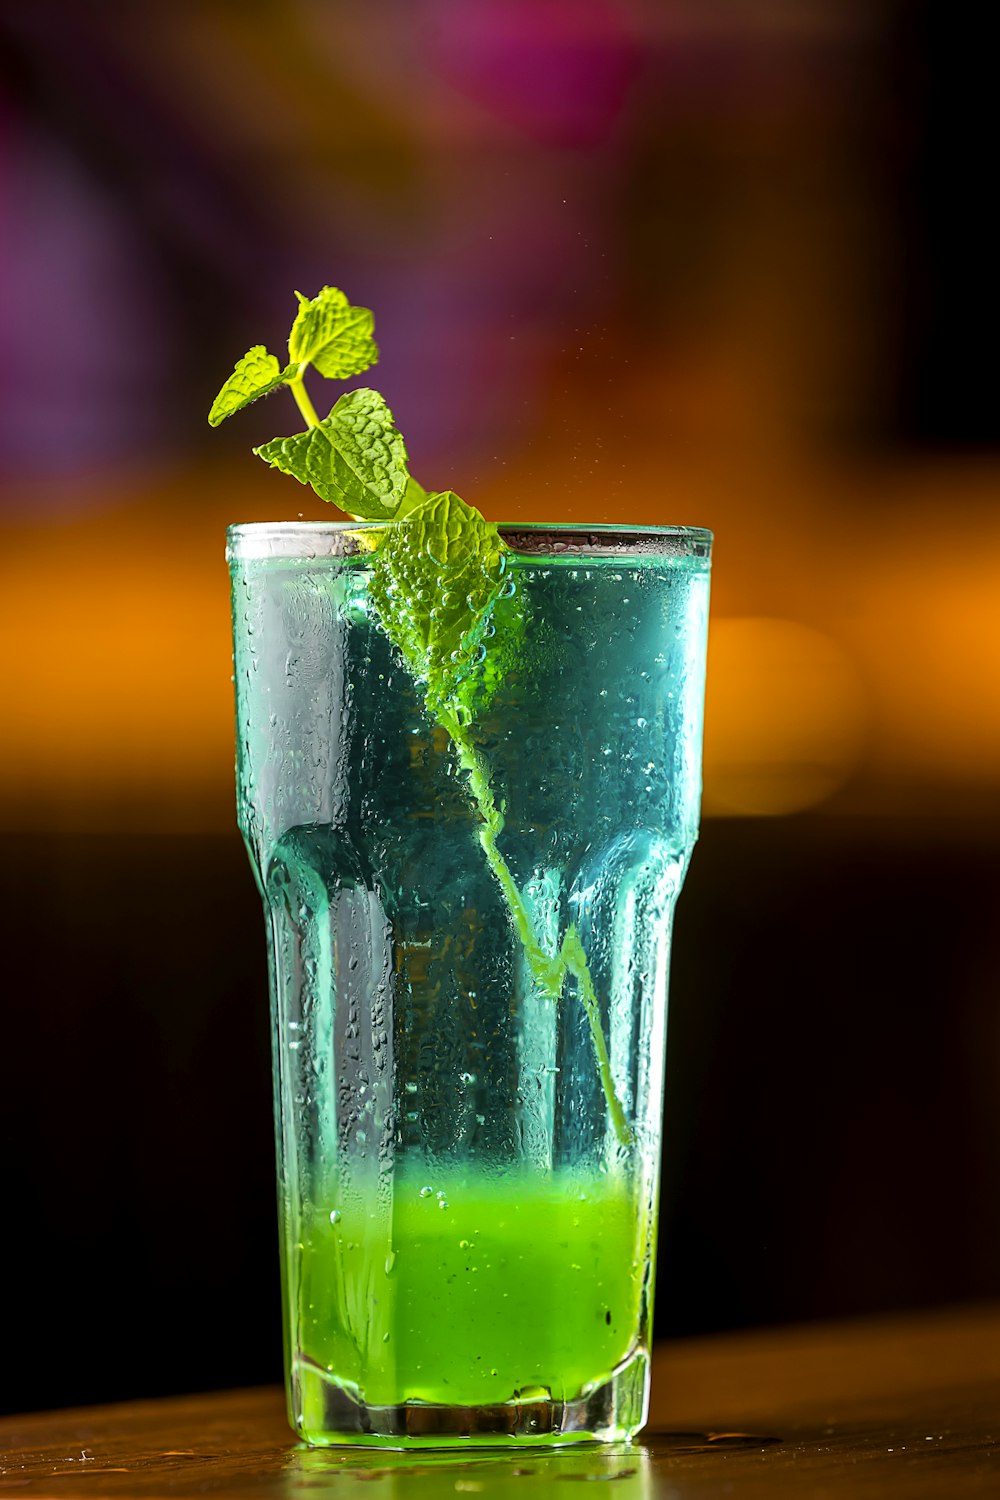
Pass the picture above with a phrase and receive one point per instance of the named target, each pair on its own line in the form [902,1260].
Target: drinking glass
[469,936]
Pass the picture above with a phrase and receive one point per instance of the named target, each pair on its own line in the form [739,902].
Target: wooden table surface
[908,1407]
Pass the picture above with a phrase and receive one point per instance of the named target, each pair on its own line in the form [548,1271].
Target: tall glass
[469,940]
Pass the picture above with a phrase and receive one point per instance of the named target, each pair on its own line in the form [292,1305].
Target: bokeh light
[784,717]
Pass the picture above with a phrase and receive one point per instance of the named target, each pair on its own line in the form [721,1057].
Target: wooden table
[908,1407]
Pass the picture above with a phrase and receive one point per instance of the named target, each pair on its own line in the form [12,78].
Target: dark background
[730,265]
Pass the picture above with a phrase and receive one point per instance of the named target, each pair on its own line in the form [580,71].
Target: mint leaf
[355,458]
[332,335]
[413,495]
[255,375]
[504,642]
[435,579]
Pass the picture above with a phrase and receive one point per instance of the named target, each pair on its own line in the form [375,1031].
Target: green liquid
[470,1290]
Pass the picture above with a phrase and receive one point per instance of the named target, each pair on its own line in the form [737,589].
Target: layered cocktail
[468,764]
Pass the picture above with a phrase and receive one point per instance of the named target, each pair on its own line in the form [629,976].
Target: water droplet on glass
[426,1192]
[335,1216]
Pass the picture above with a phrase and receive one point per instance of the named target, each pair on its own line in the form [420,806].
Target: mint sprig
[328,333]
[437,575]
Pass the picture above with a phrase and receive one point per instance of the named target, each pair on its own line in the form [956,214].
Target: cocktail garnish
[437,575]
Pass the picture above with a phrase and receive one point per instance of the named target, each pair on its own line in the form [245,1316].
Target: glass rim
[309,540]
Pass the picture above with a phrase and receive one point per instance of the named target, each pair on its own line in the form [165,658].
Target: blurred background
[728,264]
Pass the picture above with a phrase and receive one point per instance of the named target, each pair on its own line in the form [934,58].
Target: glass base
[326,1415]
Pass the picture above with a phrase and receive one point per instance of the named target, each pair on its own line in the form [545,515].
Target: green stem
[549,973]
[573,956]
[297,387]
